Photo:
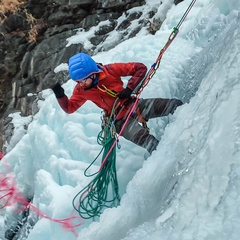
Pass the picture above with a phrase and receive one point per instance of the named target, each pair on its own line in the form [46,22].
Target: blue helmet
[81,66]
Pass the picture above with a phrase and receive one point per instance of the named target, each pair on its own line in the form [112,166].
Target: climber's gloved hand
[125,93]
[58,90]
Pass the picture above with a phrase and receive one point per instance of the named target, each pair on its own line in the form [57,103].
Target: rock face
[33,39]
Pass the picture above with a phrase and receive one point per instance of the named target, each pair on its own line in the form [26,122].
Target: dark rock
[15,22]
[106,28]
[95,19]
[33,43]
[177,1]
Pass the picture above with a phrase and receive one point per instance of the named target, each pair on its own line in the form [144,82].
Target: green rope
[102,191]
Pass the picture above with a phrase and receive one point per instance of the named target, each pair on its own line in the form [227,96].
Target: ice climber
[102,84]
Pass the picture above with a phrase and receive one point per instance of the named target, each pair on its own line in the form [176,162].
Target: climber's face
[86,82]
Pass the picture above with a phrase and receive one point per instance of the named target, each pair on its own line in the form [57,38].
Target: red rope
[149,75]
[11,196]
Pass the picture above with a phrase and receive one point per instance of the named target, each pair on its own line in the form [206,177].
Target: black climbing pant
[148,108]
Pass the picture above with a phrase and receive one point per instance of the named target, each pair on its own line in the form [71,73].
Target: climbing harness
[102,191]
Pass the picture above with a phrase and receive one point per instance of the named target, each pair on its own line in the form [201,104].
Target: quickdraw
[156,65]
[107,126]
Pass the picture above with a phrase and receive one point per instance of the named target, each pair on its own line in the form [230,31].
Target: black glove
[125,93]
[58,90]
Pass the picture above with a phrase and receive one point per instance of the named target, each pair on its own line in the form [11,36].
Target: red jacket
[111,79]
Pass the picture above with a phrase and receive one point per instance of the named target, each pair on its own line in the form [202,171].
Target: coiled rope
[102,191]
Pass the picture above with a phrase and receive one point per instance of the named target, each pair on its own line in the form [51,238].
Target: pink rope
[11,196]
